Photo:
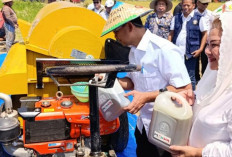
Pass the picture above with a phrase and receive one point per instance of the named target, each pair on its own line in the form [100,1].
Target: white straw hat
[205,1]
[168,2]
[122,13]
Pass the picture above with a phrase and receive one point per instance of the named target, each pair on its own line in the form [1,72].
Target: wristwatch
[163,90]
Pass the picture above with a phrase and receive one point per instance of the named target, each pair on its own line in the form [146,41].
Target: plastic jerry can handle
[171,95]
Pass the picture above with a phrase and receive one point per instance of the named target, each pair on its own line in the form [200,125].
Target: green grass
[27,10]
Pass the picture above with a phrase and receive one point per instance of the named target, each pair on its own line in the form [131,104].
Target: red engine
[59,123]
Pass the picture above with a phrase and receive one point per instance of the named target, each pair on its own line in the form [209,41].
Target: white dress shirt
[208,16]
[91,6]
[161,66]
[181,39]
[104,14]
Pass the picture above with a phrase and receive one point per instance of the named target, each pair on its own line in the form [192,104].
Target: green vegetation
[27,10]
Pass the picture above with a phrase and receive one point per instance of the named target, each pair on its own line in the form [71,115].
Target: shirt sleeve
[172,67]
[172,23]
[12,20]
[203,25]
[221,148]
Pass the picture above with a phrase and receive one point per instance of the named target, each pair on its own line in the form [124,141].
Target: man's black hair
[193,1]
[137,22]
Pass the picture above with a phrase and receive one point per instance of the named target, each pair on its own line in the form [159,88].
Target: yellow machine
[52,120]
[57,29]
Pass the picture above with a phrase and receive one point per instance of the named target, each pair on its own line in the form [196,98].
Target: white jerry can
[111,101]
[171,122]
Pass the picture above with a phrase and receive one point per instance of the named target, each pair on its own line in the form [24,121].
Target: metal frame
[70,68]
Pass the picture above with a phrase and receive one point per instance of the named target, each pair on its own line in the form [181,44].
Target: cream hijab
[215,84]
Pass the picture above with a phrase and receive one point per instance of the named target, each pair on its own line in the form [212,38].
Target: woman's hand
[186,151]
[188,95]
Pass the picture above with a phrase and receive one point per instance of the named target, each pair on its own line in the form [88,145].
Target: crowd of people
[169,48]
[188,29]
[171,65]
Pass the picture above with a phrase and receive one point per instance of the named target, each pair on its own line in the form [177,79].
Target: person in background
[91,6]
[108,6]
[159,22]
[96,6]
[207,14]
[162,68]
[10,24]
[2,34]
[177,9]
[189,33]
[211,133]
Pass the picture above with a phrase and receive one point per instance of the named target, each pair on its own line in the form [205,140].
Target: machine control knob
[45,104]
[66,104]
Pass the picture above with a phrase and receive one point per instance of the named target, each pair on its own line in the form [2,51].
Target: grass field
[27,10]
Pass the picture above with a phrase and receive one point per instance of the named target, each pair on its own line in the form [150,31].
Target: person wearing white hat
[211,133]
[162,68]
[208,16]
[159,22]
[108,6]
[10,24]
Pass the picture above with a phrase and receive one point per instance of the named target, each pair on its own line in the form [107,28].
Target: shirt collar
[144,41]
[204,13]
[190,15]
[164,15]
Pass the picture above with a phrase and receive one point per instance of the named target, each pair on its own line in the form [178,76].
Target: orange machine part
[76,114]
[53,146]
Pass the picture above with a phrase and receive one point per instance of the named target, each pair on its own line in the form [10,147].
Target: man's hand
[139,100]
[196,53]
[186,151]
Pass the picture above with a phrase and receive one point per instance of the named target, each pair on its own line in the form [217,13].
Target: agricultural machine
[42,117]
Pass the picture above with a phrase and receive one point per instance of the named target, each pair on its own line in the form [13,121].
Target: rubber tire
[3,153]
[119,139]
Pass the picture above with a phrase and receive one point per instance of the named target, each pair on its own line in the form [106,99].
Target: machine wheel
[119,139]
[3,153]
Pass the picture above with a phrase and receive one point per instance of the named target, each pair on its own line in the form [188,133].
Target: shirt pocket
[146,82]
[152,81]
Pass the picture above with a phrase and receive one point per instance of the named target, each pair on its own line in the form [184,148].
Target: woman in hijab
[211,133]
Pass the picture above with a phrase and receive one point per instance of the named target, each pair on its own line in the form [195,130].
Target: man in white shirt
[189,33]
[207,14]
[96,6]
[108,6]
[162,68]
